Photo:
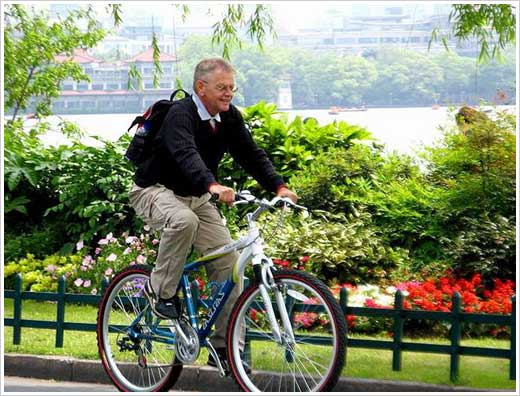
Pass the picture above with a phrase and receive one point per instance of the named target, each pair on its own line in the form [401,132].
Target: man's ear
[199,85]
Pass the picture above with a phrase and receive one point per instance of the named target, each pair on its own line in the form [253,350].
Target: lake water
[400,129]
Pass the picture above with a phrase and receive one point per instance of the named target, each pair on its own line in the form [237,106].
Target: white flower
[140,259]
[109,236]
[79,245]
[78,282]
[391,289]
[93,291]
[86,283]
[385,300]
[112,257]
[108,272]
[147,227]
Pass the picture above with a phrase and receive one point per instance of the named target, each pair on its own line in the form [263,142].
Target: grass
[474,372]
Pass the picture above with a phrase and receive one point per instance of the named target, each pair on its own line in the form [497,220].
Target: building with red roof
[108,88]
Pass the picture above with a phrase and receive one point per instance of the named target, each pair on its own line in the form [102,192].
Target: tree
[31,47]
[406,77]
[458,77]
[493,25]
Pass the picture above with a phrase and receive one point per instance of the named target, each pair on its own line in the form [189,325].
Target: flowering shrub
[435,295]
[41,274]
[85,269]
[431,295]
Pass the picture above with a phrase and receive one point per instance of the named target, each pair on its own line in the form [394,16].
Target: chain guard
[187,353]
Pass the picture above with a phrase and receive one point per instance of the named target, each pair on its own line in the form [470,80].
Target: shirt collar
[201,109]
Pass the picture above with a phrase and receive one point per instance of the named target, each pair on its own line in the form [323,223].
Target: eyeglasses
[223,88]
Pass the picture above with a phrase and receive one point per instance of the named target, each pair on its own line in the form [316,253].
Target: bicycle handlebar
[245,197]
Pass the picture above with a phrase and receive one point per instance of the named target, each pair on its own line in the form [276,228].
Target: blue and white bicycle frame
[252,250]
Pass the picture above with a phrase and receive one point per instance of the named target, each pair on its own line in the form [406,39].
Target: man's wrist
[281,186]
[211,185]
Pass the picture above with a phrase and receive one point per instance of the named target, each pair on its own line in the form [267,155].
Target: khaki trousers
[184,222]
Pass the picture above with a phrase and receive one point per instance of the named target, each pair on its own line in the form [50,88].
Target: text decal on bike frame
[216,307]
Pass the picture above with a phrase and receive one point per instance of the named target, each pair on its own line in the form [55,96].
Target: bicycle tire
[294,377]
[115,373]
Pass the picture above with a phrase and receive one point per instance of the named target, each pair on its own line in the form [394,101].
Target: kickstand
[213,353]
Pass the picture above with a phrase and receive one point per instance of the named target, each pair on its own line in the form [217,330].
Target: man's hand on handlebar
[225,194]
[284,192]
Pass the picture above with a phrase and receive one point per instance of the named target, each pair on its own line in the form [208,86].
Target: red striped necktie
[213,125]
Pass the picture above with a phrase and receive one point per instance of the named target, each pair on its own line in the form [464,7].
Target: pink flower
[131,263]
[130,239]
[103,242]
[109,236]
[112,257]
[108,272]
[98,250]
[87,260]
[140,259]
[78,282]
[86,283]
[83,268]
[155,241]
[79,245]
[50,268]
[127,251]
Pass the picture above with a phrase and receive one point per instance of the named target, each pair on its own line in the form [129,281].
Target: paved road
[20,384]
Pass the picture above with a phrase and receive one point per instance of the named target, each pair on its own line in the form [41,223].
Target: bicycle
[293,328]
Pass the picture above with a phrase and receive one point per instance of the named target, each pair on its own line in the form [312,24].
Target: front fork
[267,283]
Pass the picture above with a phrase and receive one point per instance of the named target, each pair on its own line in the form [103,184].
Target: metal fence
[456,317]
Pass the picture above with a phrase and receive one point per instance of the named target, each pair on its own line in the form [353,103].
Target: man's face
[216,91]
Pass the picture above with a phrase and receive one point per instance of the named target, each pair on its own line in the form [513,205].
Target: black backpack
[148,125]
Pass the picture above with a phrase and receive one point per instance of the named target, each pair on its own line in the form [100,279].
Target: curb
[193,378]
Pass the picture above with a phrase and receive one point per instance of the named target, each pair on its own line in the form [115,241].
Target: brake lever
[288,203]
[241,202]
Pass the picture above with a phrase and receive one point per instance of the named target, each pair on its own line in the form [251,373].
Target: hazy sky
[288,15]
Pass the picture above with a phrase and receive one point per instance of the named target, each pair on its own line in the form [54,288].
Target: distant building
[353,34]
[284,94]
[108,92]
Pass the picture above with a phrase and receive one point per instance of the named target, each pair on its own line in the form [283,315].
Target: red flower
[200,283]
[281,263]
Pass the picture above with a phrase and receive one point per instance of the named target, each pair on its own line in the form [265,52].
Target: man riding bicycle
[172,188]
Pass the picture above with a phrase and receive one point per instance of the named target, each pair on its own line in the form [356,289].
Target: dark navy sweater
[187,152]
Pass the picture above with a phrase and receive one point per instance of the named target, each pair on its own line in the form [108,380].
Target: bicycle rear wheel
[312,362]
[134,358]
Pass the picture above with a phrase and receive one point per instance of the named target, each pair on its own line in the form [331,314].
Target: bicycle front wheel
[135,358]
[308,360]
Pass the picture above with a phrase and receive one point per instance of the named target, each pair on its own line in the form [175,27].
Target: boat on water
[362,108]
[334,110]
